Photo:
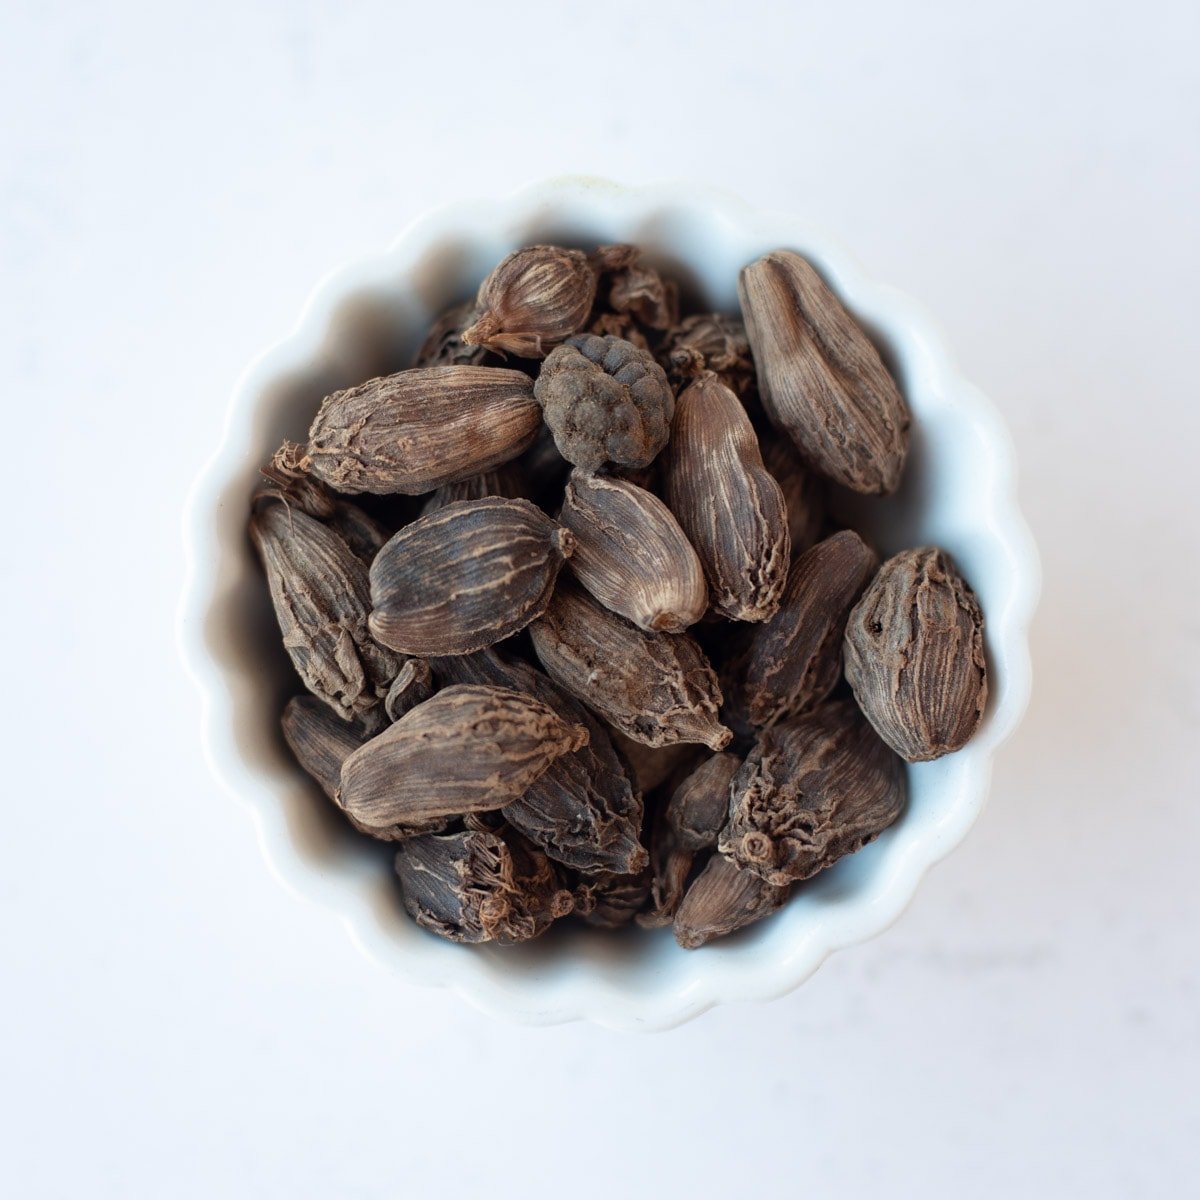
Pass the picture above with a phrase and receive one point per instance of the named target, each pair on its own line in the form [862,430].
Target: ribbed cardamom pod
[657,688]
[914,655]
[812,789]
[414,685]
[628,285]
[803,491]
[466,576]
[507,481]
[795,659]
[729,506]
[480,886]
[723,899]
[709,342]
[619,325]
[468,749]
[631,555]
[820,378]
[533,300]
[582,812]
[605,401]
[608,901]
[321,598]
[444,346]
[422,428]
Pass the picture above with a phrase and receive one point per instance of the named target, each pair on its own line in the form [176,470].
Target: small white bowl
[365,320]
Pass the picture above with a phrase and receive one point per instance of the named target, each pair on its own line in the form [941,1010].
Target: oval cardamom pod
[321,597]
[534,299]
[418,429]
[795,659]
[631,555]
[466,576]
[812,790]
[723,899]
[914,655]
[414,685]
[321,741]
[820,378]
[709,342]
[468,749]
[658,688]
[727,503]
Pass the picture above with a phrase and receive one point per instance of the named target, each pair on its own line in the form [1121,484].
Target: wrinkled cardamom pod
[608,901]
[533,300]
[709,342]
[467,749]
[657,688]
[444,345]
[466,576]
[795,659]
[812,789]
[321,597]
[723,899]
[582,812]
[652,766]
[414,685]
[605,401]
[418,429]
[820,378]
[619,325]
[803,491]
[728,505]
[914,655]
[507,481]
[628,285]
[480,886]
[631,555]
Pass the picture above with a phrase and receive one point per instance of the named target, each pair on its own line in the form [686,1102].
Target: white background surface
[173,179]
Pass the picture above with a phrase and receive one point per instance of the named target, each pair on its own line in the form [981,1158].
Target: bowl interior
[367,321]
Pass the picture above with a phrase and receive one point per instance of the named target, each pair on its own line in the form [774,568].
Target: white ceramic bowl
[365,320]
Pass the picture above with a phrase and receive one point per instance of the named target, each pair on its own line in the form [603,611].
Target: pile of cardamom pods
[590,640]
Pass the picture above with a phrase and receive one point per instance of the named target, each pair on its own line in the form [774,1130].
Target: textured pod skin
[419,429]
[606,402]
[729,506]
[803,491]
[709,342]
[608,901]
[820,378]
[619,325]
[468,749]
[321,597]
[412,686]
[723,899]
[582,812]
[914,655]
[812,789]
[794,660]
[657,688]
[466,576]
[630,286]
[631,554]
[480,886]
[533,300]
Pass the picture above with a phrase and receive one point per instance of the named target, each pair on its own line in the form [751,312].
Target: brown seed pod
[709,342]
[414,685]
[812,789]
[631,555]
[731,509]
[422,428]
[468,749]
[466,576]
[628,285]
[619,325]
[609,901]
[723,899]
[605,401]
[914,655]
[321,741]
[820,378]
[533,300]
[803,490]
[507,481]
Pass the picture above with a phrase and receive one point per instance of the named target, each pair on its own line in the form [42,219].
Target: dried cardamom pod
[468,749]
[813,789]
[803,491]
[723,899]
[619,325]
[507,481]
[709,342]
[628,285]
[631,555]
[444,345]
[480,886]
[414,685]
[608,901]
[605,401]
[321,741]
[657,688]
[914,655]
[466,576]
[728,505]
[533,300]
[582,812]
[820,378]
[321,597]
[795,659]
[652,766]
[418,429]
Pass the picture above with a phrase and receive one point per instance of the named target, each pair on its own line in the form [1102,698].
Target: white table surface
[173,182]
